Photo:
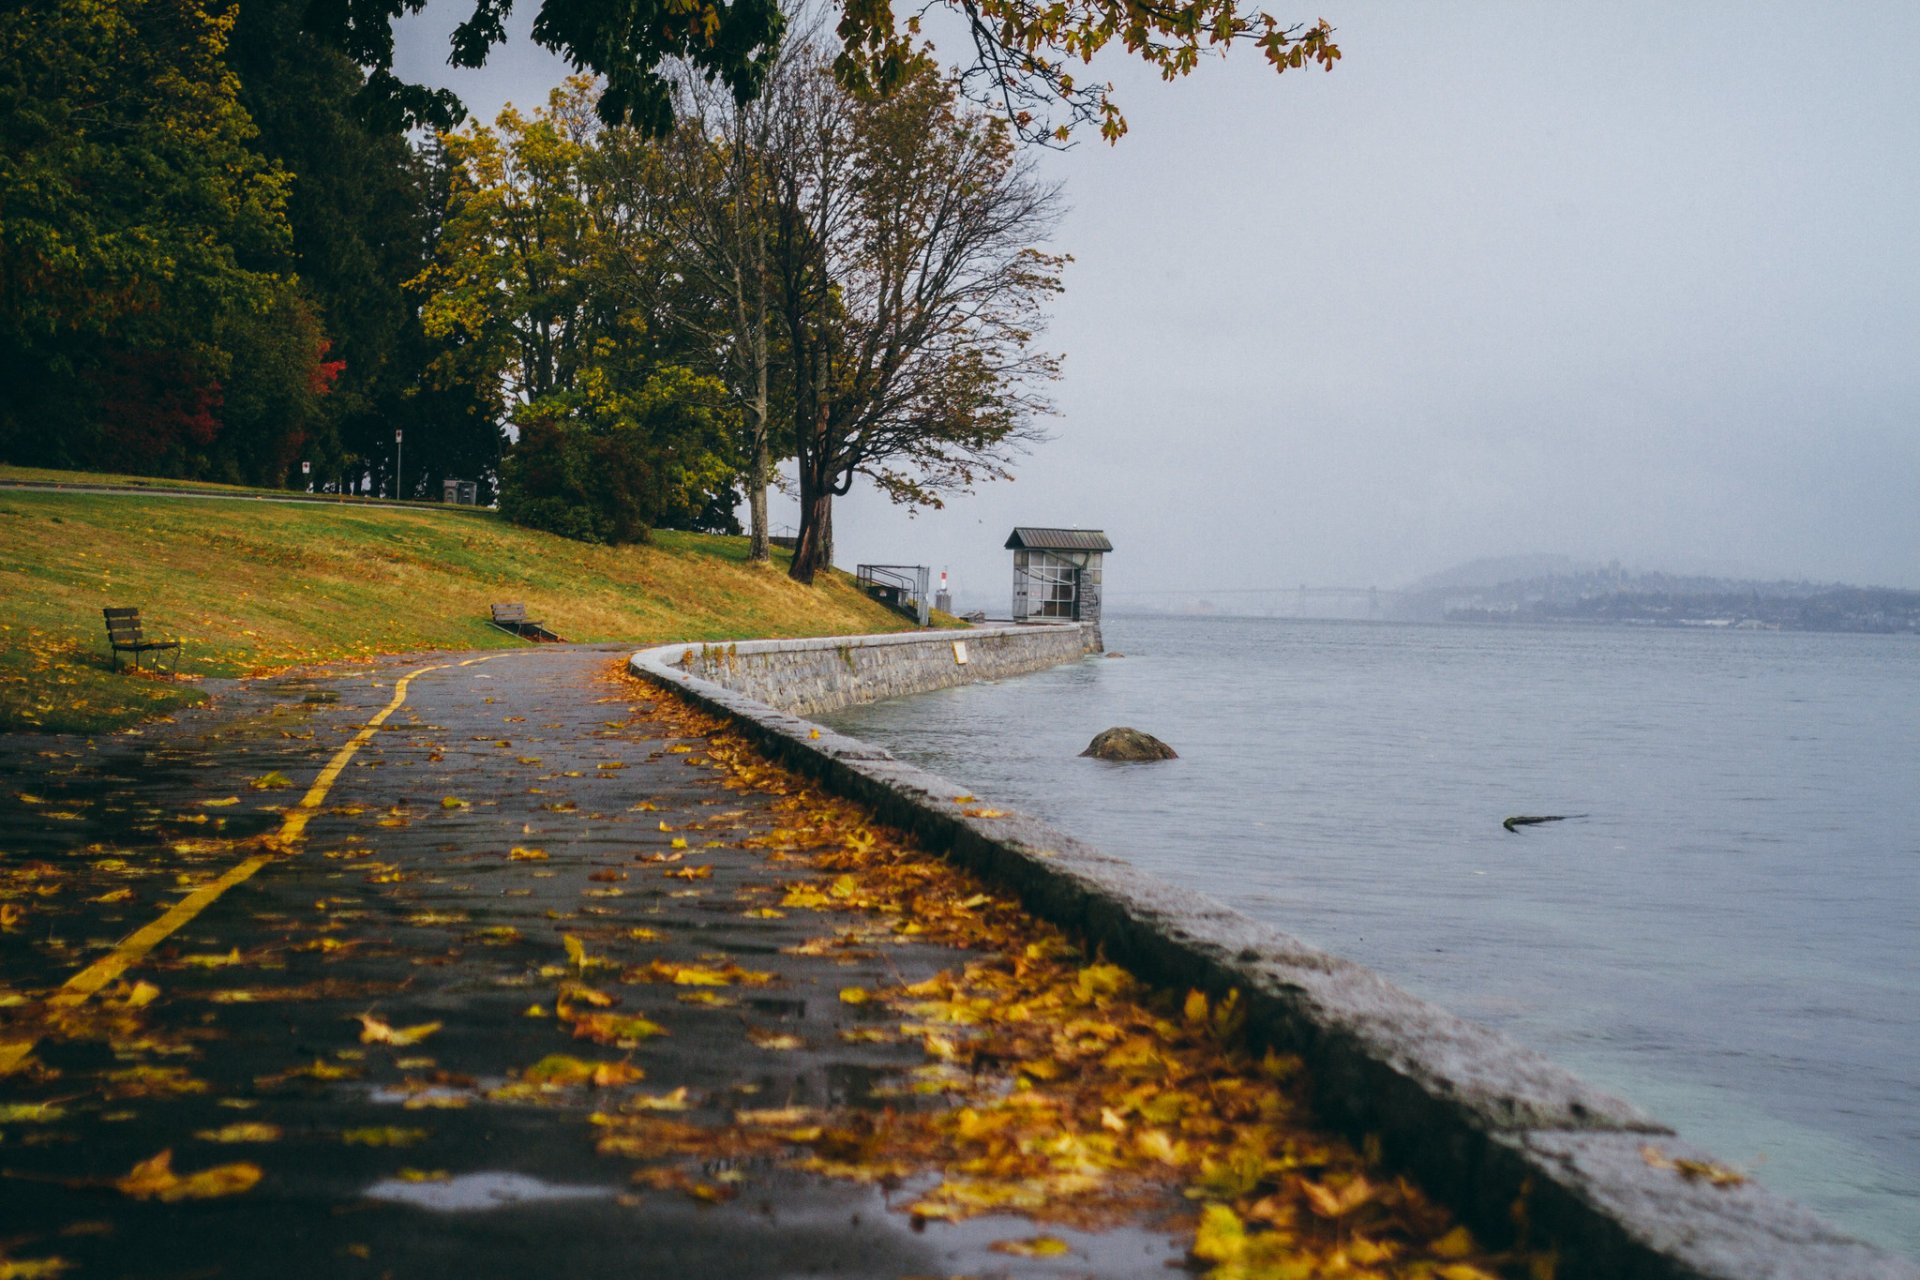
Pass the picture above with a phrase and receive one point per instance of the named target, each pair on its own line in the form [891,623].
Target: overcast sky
[1607,280]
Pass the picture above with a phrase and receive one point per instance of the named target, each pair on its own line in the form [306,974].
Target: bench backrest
[510,613]
[123,625]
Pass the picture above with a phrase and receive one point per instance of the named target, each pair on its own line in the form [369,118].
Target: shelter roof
[1027,538]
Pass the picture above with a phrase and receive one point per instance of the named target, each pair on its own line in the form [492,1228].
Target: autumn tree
[546,289]
[720,214]
[910,293]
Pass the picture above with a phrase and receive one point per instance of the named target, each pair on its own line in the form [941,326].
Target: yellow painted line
[135,947]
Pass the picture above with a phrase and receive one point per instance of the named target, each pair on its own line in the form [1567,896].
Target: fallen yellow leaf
[779,1040]
[1032,1247]
[245,1131]
[375,1031]
[154,1179]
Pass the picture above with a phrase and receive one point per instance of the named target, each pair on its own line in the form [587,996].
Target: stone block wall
[810,677]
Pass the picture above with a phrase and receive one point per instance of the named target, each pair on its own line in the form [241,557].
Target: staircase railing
[902,587]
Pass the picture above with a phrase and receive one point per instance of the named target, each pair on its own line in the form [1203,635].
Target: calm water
[1730,937]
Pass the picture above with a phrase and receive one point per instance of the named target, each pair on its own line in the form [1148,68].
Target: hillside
[1568,592]
[259,586]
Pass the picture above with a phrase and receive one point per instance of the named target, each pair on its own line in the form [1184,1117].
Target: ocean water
[1728,934]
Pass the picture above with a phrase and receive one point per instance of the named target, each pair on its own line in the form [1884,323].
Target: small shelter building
[1056,574]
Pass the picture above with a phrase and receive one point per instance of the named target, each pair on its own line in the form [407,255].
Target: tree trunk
[759,549]
[813,551]
[758,465]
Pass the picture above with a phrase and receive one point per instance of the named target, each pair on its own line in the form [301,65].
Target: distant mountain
[1557,589]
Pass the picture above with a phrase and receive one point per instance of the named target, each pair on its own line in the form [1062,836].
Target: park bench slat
[512,616]
[125,635]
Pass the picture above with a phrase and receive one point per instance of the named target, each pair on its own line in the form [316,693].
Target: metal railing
[900,586]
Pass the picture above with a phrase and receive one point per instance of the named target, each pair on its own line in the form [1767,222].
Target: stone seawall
[1519,1146]
[808,677]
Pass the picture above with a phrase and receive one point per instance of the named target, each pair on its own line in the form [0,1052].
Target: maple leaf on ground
[779,1041]
[375,1031]
[154,1179]
[676,1100]
[561,1069]
[615,1029]
[1717,1175]
[1332,1202]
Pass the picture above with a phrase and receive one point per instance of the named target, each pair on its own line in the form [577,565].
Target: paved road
[393,898]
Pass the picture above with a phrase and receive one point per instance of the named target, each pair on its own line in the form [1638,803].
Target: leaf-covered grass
[254,587]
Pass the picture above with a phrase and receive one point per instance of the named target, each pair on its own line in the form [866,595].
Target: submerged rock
[1122,743]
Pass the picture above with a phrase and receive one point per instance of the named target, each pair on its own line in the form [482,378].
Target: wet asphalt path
[403,902]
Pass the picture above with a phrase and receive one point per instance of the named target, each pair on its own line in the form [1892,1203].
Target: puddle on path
[480,1192]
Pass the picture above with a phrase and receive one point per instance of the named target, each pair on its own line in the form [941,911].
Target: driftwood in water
[1520,820]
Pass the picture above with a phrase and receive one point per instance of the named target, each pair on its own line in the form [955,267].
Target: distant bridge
[1301,601]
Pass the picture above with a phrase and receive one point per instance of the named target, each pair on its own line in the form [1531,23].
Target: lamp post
[396,464]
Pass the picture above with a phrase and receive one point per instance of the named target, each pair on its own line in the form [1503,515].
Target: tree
[364,213]
[546,289]
[614,460]
[1021,65]
[507,292]
[721,218]
[148,308]
[910,292]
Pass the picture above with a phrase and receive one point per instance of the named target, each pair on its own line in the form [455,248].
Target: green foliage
[364,210]
[603,464]
[624,42]
[1023,51]
[148,310]
[539,291]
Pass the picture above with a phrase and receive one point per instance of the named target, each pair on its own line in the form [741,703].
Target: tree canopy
[147,309]
[202,247]
[1022,62]
[547,293]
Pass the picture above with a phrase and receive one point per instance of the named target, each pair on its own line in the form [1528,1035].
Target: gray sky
[1635,281]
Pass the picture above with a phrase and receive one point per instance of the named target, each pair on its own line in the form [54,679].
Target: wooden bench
[513,617]
[124,635]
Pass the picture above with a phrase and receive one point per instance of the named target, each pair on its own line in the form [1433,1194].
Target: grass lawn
[254,587]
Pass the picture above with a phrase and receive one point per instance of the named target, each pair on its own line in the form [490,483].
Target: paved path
[292,495]
[393,898]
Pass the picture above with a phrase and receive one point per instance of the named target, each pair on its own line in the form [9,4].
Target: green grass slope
[258,586]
